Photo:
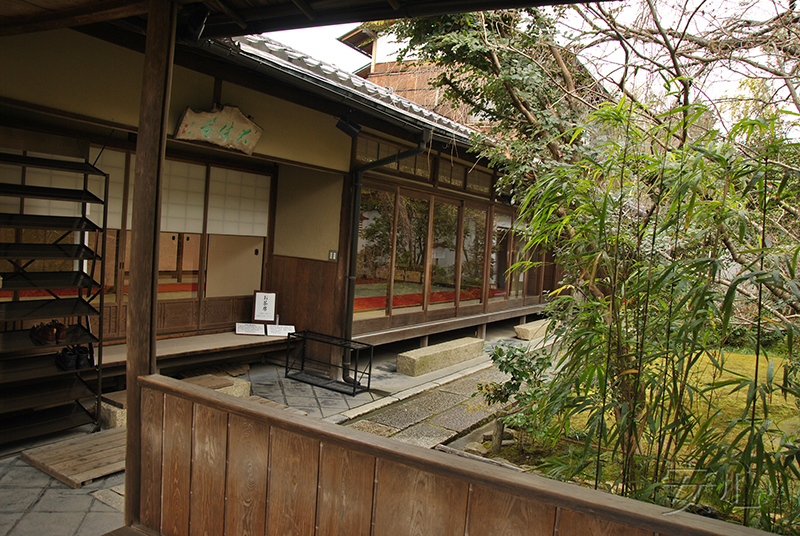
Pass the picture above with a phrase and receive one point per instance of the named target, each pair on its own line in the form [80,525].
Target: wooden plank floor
[79,460]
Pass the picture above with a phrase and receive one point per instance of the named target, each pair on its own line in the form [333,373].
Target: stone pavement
[436,415]
[32,503]
[424,410]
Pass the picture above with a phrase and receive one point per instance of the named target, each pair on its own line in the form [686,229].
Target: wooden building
[433,239]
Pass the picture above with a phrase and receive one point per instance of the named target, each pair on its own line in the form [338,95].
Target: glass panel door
[412,239]
[473,256]
[443,266]
[374,253]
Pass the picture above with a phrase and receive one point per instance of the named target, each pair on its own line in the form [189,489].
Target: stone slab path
[434,416]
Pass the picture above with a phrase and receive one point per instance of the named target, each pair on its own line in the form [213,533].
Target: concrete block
[240,388]
[112,416]
[531,330]
[431,358]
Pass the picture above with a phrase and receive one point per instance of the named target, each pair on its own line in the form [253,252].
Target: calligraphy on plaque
[227,127]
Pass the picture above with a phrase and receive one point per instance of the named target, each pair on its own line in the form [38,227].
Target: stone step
[438,356]
[531,330]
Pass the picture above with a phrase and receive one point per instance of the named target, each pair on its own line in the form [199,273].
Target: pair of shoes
[67,359]
[61,330]
[74,358]
[84,358]
[43,334]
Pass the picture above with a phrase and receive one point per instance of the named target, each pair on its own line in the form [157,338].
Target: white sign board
[275,330]
[249,329]
[264,309]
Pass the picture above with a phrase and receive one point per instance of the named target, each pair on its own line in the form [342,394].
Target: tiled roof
[264,53]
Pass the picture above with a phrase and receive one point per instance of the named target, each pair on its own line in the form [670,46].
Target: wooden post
[150,148]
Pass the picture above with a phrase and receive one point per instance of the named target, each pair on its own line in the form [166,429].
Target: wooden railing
[214,464]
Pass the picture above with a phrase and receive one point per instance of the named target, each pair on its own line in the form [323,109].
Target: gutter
[358,174]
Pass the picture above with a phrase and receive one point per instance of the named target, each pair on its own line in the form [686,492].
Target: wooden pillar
[150,147]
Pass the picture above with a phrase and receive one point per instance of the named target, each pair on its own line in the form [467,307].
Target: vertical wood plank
[248,458]
[578,524]
[292,484]
[345,498]
[412,502]
[146,220]
[177,466]
[495,512]
[209,446]
[152,437]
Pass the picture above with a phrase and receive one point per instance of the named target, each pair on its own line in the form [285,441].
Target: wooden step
[80,460]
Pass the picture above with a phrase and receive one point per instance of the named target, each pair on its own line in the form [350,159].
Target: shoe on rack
[66,359]
[61,330]
[43,334]
[84,358]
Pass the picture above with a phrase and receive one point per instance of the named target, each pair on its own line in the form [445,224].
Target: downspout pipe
[358,174]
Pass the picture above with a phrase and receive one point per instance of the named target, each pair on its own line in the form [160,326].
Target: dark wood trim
[342,268]
[65,18]
[269,246]
[217,92]
[150,148]
[203,260]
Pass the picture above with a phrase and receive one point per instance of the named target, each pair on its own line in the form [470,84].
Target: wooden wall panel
[345,491]
[209,453]
[177,458]
[415,503]
[177,315]
[152,436]
[248,458]
[493,512]
[306,294]
[292,495]
[578,524]
[217,311]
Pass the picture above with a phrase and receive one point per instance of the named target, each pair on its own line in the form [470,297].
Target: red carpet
[405,300]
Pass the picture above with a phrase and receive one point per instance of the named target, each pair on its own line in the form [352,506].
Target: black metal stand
[308,349]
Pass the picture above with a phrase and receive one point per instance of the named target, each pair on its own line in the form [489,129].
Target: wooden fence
[215,464]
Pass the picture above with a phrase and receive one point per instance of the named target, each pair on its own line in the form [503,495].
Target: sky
[320,43]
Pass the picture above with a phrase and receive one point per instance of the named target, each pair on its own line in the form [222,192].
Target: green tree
[666,229]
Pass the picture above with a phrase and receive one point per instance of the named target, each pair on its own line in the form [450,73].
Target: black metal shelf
[84,168]
[46,280]
[36,396]
[35,367]
[44,192]
[44,393]
[33,221]
[32,424]
[314,350]
[19,345]
[45,309]
[77,252]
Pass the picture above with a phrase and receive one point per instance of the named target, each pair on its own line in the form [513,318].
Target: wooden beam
[94,12]
[150,149]
[305,8]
